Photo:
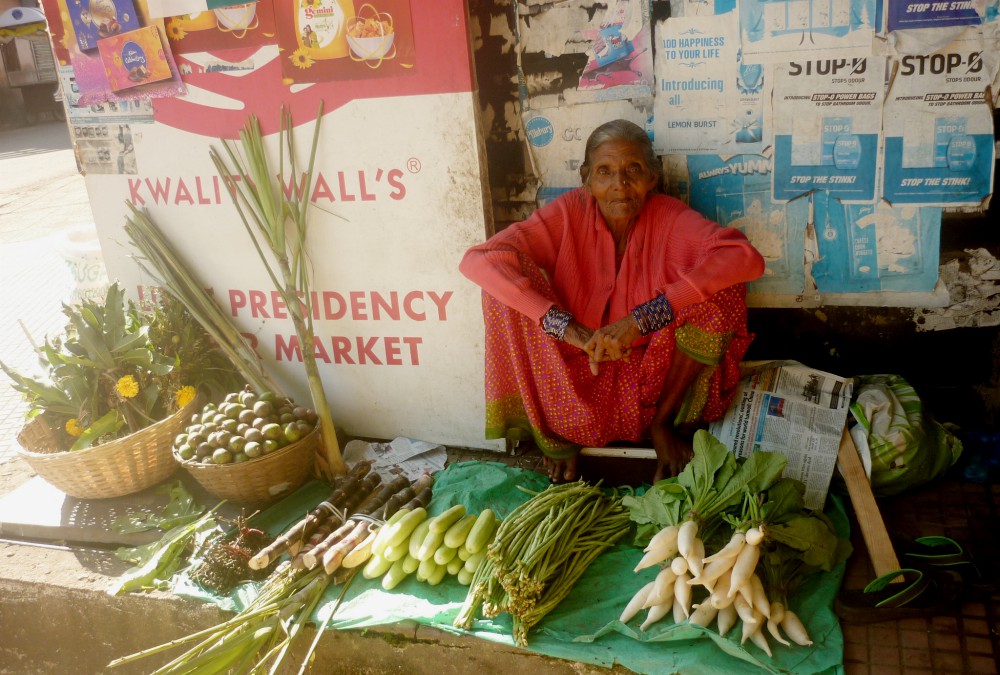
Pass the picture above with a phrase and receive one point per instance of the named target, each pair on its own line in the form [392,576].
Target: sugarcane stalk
[293,537]
[164,264]
[266,211]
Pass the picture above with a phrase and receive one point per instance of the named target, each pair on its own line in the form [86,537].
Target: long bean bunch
[541,549]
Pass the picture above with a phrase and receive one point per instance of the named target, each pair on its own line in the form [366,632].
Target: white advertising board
[399,197]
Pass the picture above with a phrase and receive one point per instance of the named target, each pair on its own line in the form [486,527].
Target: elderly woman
[613,313]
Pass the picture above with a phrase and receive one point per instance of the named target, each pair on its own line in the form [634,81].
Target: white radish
[663,588]
[655,556]
[712,573]
[679,565]
[777,612]
[636,603]
[745,611]
[754,536]
[696,556]
[795,629]
[686,535]
[749,628]
[760,601]
[746,591]
[759,639]
[665,537]
[703,615]
[720,593]
[682,593]
[679,614]
[773,629]
[655,613]
[726,619]
[730,550]
[746,563]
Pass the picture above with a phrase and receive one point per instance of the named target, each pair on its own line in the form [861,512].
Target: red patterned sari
[540,388]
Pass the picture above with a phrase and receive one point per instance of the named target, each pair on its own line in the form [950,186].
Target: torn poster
[620,56]
[939,129]
[735,191]
[696,75]
[557,138]
[777,30]
[571,54]
[875,247]
[827,123]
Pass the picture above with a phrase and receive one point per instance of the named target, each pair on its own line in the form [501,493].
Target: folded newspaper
[789,408]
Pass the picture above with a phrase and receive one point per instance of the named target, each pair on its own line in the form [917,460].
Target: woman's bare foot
[561,470]
[673,452]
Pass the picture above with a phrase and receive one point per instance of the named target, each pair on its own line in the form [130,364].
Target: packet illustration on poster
[95,20]
[134,58]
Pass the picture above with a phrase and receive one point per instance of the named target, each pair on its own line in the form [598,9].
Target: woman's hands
[610,343]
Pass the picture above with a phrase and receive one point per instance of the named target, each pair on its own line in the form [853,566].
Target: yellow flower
[175,31]
[184,395]
[73,428]
[301,59]
[127,387]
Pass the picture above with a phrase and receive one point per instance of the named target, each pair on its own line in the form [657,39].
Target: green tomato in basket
[292,432]
[239,458]
[263,409]
[222,456]
[204,450]
[237,444]
[272,432]
[185,452]
[270,446]
[253,434]
[253,449]
[246,416]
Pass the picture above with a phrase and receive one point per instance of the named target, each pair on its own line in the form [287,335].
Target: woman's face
[619,181]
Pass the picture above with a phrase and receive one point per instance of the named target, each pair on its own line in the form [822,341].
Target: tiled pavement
[42,198]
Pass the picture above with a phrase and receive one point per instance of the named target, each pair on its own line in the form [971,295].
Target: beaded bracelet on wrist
[555,321]
[653,315]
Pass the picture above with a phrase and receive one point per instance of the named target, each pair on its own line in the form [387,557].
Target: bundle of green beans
[540,551]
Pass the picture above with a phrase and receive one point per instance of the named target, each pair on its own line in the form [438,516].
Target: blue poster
[736,191]
[904,14]
[827,125]
[939,130]
[875,247]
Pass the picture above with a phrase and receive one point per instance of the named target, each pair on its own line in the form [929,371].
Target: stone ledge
[58,618]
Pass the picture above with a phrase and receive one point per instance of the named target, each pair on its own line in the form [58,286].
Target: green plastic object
[908,448]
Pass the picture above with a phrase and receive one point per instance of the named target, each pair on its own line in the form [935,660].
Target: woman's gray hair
[620,130]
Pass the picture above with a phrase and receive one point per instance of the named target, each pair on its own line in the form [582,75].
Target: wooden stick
[880,549]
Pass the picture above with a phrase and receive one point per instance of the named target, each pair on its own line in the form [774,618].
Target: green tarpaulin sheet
[585,626]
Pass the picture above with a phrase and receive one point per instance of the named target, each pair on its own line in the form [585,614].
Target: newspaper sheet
[799,412]
[407,456]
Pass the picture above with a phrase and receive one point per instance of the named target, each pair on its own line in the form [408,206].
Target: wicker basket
[130,464]
[260,481]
